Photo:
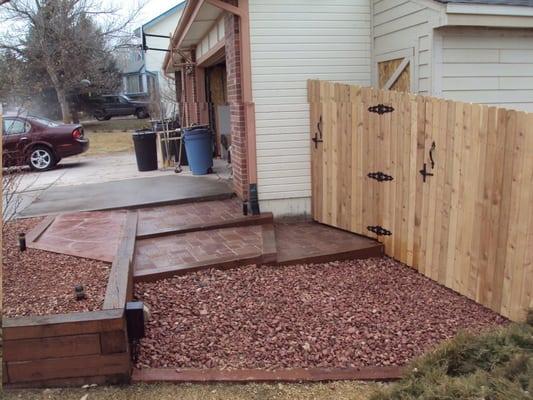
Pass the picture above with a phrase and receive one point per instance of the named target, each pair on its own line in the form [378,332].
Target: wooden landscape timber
[173,375]
[76,348]
[450,191]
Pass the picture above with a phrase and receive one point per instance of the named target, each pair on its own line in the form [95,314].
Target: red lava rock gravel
[38,282]
[373,312]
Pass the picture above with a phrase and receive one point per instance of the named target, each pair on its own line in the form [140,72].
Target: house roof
[525,3]
[170,11]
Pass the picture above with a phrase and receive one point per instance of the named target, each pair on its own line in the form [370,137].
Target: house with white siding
[156,34]
[465,50]
[242,67]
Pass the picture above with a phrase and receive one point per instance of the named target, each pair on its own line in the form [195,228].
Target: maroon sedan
[39,142]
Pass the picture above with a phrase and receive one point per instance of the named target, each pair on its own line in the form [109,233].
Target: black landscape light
[135,319]
[22,241]
[79,292]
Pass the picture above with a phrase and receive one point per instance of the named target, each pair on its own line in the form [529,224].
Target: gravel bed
[37,282]
[373,312]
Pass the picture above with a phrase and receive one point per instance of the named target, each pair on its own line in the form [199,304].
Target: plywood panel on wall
[469,224]
[388,69]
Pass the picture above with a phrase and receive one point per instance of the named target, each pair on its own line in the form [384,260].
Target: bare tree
[69,40]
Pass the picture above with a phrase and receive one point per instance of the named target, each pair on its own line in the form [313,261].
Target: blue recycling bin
[199,148]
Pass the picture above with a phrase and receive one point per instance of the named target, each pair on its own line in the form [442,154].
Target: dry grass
[108,142]
[116,124]
[112,136]
[333,391]
[497,365]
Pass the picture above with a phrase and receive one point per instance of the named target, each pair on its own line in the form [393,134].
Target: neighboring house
[162,25]
[136,81]
[459,49]
[142,73]
[478,51]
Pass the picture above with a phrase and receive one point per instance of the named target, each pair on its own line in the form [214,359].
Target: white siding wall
[165,26]
[405,27]
[211,38]
[491,66]
[154,59]
[293,41]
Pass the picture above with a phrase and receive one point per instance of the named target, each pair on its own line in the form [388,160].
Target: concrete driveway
[76,175]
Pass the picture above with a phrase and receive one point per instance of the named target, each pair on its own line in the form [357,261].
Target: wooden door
[343,152]
[368,147]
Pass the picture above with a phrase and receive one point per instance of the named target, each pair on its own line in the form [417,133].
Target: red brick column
[238,129]
[189,97]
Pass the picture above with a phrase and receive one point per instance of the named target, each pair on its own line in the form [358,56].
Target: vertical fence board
[413,175]
[402,163]
[517,226]
[507,122]
[526,292]
[477,261]
[440,159]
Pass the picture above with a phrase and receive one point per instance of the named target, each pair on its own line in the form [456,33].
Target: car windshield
[44,121]
[125,97]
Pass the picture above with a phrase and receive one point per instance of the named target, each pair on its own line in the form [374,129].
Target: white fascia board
[486,9]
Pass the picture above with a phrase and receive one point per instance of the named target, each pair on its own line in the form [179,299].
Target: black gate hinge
[381,109]
[380,176]
[379,230]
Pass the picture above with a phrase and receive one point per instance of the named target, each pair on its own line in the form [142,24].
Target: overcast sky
[152,8]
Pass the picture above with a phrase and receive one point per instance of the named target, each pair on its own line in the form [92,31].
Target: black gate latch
[425,173]
[379,230]
[379,176]
[316,140]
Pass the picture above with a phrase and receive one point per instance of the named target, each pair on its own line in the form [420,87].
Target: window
[13,126]
[133,83]
[111,99]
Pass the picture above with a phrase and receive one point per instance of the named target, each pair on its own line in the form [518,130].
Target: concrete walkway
[160,190]
[108,181]
[82,170]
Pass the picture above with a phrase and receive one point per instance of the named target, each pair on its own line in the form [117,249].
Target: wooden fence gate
[446,186]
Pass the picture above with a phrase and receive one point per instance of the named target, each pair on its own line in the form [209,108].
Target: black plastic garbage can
[144,142]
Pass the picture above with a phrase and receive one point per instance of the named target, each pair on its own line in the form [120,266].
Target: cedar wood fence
[450,190]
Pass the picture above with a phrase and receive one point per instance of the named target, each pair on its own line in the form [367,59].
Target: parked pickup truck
[108,106]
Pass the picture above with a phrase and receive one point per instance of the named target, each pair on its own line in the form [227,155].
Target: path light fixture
[79,292]
[22,241]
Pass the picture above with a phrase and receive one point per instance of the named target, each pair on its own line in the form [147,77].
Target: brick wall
[194,106]
[188,100]
[238,128]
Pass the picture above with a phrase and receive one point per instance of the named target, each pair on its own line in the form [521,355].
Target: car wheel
[141,113]
[100,115]
[41,159]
